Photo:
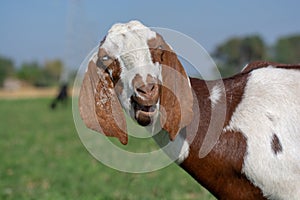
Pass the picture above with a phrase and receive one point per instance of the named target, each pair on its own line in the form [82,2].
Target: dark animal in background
[62,96]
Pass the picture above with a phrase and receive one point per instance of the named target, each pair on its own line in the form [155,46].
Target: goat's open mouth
[143,114]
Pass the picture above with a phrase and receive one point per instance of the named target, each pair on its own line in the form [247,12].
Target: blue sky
[39,30]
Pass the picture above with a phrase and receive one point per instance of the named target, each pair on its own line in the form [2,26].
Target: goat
[256,155]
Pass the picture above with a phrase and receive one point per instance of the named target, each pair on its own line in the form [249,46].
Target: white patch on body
[271,105]
[128,44]
[184,150]
[215,95]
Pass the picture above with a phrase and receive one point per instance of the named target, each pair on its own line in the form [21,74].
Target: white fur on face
[128,44]
[271,106]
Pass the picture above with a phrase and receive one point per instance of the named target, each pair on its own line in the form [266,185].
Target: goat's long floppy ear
[176,95]
[99,106]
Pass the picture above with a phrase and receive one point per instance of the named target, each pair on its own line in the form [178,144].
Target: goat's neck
[205,99]
[220,170]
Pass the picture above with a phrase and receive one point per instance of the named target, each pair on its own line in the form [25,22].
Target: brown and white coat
[257,152]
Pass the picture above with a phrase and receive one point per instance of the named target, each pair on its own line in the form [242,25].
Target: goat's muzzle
[144,102]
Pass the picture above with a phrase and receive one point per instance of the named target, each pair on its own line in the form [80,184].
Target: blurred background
[42,44]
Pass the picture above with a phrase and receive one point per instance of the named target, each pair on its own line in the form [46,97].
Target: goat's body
[257,155]
[238,137]
[269,111]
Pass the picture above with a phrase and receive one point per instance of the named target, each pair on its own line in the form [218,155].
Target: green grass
[41,157]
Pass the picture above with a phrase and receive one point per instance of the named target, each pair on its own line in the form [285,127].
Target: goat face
[135,69]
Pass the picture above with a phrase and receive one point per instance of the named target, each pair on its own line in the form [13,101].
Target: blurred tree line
[32,72]
[6,69]
[232,55]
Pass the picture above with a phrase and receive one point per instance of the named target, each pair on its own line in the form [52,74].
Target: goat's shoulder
[263,64]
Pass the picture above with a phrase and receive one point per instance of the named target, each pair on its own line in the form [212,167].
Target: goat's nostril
[146,90]
[152,88]
[139,90]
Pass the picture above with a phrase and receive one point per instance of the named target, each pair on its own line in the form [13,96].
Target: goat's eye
[105,58]
[160,47]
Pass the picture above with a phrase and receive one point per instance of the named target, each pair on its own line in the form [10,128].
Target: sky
[41,30]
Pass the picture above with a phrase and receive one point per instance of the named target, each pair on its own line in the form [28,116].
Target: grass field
[41,157]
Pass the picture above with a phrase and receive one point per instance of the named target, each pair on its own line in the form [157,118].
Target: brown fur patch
[220,171]
[99,106]
[261,64]
[176,98]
